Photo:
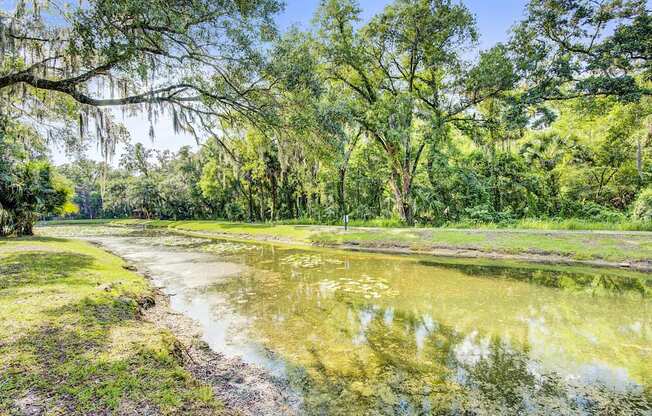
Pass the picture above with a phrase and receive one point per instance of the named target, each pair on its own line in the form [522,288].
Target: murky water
[375,334]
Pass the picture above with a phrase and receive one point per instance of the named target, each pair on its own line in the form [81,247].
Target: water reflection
[370,334]
[395,336]
[595,282]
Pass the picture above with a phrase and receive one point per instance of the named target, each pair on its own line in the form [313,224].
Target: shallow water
[376,334]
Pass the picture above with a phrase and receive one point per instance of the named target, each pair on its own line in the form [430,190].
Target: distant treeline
[400,116]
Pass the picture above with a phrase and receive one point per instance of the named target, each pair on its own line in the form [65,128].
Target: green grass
[72,341]
[298,233]
[561,224]
[525,224]
[607,246]
[591,246]
[528,224]
[77,222]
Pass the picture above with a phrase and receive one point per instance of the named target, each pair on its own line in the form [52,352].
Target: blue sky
[494,19]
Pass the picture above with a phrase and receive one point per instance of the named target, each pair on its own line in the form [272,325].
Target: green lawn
[580,246]
[72,341]
[611,246]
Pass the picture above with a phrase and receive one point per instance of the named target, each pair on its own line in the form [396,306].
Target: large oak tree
[407,70]
[192,58]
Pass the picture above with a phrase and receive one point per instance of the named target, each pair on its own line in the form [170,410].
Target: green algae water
[370,334]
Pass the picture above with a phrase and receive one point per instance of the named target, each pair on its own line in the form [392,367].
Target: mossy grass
[72,340]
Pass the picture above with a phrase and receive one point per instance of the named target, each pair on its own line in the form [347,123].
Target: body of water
[365,334]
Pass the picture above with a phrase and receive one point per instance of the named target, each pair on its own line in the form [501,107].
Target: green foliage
[198,58]
[29,185]
[642,210]
[584,48]
[85,175]
[391,119]
[405,73]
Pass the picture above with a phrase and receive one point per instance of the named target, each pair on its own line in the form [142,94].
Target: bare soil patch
[244,389]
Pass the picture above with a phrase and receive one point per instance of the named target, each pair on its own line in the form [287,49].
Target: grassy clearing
[609,246]
[527,224]
[72,342]
[299,233]
[78,222]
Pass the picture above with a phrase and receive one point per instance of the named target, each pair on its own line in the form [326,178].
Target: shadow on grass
[102,311]
[91,355]
[37,268]
[37,239]
[69,364]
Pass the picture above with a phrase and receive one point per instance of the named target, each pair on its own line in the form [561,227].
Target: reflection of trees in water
[594,282]
[348,357]
[451,373]
[507,381]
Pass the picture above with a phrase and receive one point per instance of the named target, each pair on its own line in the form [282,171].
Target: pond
[361,334]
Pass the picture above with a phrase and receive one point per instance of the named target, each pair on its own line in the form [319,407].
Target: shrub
[595,212]
[234,212]
[642,210]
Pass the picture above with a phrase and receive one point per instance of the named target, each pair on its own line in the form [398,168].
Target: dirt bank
[470,253]
[245,389]
[442,249]
[620,249]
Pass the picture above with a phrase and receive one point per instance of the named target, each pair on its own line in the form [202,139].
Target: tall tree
[584,48]
[312,107]
[406,71]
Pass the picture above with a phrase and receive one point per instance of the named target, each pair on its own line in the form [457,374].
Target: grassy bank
[72,341]
[610,246]
[571,224]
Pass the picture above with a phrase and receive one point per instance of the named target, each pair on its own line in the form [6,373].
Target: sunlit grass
[573,224]
[529,241]
[71,339]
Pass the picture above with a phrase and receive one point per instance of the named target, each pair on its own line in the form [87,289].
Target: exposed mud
[440,250]
[245,389]
[471,253]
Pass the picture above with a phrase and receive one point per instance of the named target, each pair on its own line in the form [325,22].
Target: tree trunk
[403,169]
[25,228]
[251,204]
[274,199]
[263,205]
[401,185]
[639,158]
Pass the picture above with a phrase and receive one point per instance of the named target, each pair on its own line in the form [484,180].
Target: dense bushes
[642,210]
[572,170]
[479,187]
[29,186]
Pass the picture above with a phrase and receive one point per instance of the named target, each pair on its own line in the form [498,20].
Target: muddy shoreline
[467,253]
[434,250]
[244,389]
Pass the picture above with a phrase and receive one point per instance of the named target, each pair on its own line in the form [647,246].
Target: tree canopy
[195,60]
[401,116]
